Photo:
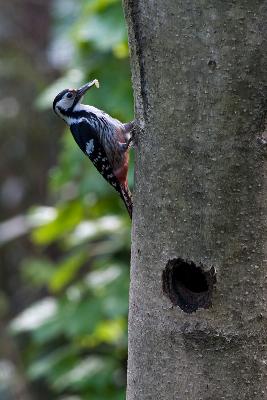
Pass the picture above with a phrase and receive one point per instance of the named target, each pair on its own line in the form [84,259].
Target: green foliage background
[74,338]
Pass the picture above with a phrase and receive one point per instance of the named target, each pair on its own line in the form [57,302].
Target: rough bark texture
[199,74]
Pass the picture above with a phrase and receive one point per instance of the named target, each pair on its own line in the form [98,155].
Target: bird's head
[66,101]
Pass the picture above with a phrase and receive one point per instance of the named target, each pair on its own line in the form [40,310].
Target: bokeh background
[64,233]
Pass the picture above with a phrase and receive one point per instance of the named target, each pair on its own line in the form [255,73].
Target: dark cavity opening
[188,285]
[212,65]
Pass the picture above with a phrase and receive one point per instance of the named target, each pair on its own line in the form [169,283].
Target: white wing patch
[90,147]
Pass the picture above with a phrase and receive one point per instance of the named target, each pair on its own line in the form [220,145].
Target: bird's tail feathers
[126,196]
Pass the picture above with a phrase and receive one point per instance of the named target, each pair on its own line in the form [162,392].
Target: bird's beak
[83,89]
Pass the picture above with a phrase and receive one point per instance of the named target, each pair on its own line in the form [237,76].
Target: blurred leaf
[38,271]
[97,5]
[91,230]
[41,215]
[110,331]
[69,215]
[86,373]
[106,332]
[71,319]
[121,50]
[59,360]
[66,270]
[99,279]
[34,316]
[105,30]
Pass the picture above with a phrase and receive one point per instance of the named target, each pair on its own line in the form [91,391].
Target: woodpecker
[105,140]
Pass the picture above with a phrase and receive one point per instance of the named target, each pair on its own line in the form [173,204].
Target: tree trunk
[197,318]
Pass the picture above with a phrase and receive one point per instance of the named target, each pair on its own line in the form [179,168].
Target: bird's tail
[126,196]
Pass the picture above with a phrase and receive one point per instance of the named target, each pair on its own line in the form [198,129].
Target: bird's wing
[87,139]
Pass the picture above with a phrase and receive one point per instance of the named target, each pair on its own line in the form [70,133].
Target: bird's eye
[69,95]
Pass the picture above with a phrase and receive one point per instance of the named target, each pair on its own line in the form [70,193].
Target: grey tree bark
[197,318]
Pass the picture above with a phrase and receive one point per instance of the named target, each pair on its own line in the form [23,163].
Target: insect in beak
[83,89]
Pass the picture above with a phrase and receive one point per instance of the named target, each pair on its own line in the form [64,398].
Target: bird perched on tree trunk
[104,139]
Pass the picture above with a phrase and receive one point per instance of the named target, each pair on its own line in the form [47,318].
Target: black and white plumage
[104,139]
